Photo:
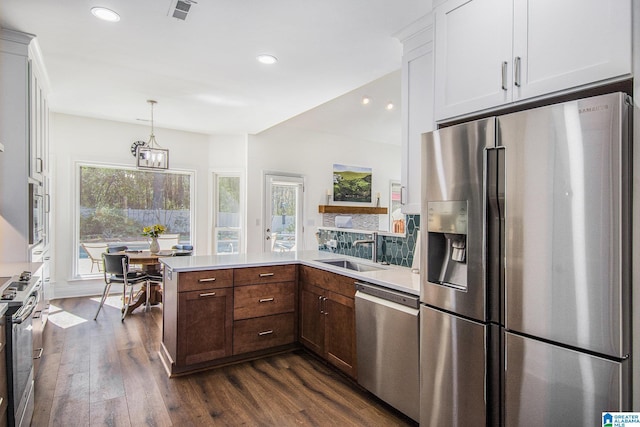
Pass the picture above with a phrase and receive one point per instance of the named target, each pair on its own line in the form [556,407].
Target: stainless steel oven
[22,298]
[22,364]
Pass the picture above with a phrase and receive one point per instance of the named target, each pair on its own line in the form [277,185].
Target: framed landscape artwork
[351,184]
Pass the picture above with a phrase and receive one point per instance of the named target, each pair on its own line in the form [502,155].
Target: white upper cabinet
[569,43]
[472,54]
[417,106]
[493,52]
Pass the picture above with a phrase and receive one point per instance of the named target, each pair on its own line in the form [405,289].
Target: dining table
[150,265]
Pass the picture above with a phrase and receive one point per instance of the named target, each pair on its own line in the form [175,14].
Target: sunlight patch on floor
[114,301]
[63,319]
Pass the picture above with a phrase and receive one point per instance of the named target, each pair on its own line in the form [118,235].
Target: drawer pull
[266,274]
[40,351]
[210,279]
[208,294]
[263,333]
[265,299]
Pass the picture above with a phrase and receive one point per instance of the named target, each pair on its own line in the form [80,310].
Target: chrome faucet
[374,245]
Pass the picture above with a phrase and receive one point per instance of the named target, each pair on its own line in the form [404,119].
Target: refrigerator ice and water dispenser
[447,227]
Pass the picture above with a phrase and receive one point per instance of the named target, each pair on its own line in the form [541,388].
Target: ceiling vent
[180,8]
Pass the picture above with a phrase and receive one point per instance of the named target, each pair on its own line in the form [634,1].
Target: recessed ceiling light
[265,58]
[105,14]
[366,100]
[389,106]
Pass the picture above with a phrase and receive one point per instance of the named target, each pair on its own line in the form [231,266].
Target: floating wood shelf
[351,210]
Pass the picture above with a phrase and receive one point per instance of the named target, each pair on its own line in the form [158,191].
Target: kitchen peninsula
[228,308]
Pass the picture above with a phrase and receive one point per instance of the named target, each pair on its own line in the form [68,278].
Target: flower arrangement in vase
[154,231]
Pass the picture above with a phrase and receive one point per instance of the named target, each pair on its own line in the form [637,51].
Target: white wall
[78,139]
[285,148]
[227,153]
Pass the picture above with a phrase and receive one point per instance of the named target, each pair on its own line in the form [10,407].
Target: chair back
[182,250]
[113,249]
[94,250]
[167,241]
[117,264]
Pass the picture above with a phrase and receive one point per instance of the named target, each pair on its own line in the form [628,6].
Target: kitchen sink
[351,265]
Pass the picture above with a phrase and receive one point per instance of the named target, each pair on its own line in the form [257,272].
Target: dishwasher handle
[401,298]
[364,298]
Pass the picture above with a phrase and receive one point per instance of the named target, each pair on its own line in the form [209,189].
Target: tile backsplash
[392,249]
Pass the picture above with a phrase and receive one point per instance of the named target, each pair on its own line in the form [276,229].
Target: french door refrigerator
[525,291]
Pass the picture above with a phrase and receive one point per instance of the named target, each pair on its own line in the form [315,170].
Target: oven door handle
[26,311]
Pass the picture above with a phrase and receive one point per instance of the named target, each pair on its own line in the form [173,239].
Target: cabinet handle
[39,350]
[403,191]
[210,279]
[39,165]
[47,199]
[263,333]
[504,75]
[320,304]
[516,70]
[208,294]
[324,303]
[37,315]
[265,299]
[266,274]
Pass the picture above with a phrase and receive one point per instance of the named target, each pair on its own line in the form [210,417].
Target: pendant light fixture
[151,155]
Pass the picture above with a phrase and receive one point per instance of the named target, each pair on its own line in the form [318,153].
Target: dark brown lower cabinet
[327,317]
[263,332]
[205,327]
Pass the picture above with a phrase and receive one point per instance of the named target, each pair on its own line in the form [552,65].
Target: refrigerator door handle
[493,229]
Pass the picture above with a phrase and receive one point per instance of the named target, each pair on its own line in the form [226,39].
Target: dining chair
[116,270]
[182,250]
[94,251]
[166,241]
[114,249]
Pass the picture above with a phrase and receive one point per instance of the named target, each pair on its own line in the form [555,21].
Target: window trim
[223,173]
[76,208]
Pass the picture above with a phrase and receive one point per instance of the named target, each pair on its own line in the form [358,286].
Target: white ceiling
[203,71]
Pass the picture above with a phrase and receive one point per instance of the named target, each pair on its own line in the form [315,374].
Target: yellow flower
[154,230]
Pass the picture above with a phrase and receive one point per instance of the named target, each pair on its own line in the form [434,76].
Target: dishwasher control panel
[389,294]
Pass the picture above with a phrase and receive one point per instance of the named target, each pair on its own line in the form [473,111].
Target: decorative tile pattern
[392,249]
[359,221]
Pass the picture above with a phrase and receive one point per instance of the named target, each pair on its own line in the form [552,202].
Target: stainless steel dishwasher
[387,338]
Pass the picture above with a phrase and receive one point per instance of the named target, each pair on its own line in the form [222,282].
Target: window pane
[115,205]
[228,232]
[228,201]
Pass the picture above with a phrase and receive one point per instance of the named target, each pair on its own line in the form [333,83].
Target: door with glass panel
[283,213]
[227,214]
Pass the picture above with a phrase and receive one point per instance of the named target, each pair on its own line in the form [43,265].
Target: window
[227,214]
[116,203]
[396,217]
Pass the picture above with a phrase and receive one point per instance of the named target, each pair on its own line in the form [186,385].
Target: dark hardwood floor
[106,372]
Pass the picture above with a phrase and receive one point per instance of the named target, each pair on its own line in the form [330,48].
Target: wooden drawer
[263,332]
[266,274]
[337,283]
[263,300]
[207,279]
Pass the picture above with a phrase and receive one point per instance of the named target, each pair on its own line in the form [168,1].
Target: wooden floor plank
[108,373]
[111,413]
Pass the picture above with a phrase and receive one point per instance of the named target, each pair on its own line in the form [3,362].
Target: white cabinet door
[568,43]
[417,81]
[473,56]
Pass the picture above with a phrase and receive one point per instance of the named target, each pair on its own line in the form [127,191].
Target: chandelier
[150,155]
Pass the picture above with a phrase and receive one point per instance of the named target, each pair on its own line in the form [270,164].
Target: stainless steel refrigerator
[525,289]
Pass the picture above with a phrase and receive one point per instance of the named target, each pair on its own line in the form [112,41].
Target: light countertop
[390,276]
[8,269]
